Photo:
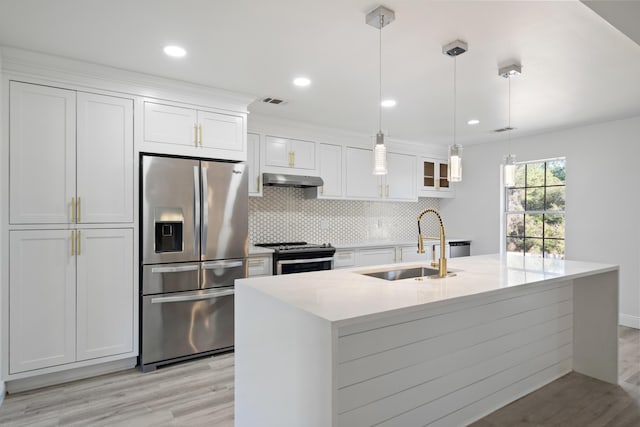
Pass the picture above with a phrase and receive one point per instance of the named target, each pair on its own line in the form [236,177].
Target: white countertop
[345,295]
[387,243]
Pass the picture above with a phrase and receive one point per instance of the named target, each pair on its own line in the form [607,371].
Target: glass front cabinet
[433,176]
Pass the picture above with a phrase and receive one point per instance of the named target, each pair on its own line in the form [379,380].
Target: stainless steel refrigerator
[194,232]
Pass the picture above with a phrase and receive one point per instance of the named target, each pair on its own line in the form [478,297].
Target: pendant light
[379,18]
[454,171]
[509,169]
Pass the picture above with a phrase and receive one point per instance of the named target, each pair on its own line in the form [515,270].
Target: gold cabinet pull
[78,208]
[73,209]
[258,186]
[78,243]
[195,134]
[294,159]
[73,242]
[290,159]
[200,132]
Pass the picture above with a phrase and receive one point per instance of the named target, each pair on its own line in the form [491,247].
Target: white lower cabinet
[42,299]
[410,254]
[71,296]
[104,293]
[259,265]
[375,256]
[344,258]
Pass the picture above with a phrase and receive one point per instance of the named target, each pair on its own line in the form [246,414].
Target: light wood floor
[201,393]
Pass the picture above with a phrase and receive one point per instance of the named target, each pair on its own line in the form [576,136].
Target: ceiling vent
[274,101]
[503,129]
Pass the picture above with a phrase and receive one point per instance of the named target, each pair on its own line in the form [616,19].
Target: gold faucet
[442,264]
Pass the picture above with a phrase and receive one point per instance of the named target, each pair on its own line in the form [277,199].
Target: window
[534,209]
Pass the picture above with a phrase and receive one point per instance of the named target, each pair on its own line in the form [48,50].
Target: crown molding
[70,71]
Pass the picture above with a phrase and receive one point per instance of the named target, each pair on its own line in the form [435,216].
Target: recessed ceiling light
[175,51]
[388,103]
[301,81]
[473,122]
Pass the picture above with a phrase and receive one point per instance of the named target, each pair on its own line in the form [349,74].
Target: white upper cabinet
[296,156]
[361,183]
[170,125]
[253,163]
[330,168]
[399,184]
[202,133]
[400,181]
[63,171]
[220,131]
[42,150]
[104,159]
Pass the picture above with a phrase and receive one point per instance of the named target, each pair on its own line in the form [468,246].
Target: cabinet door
[169,124]
[259,266]
[105,292]
[375,256]
[330,169]
[42,140]
[253,163]
[401,179]
[276,152]
[220,131]
[360,182]
[410,254]
[104,159]
[42,299]
[304,154]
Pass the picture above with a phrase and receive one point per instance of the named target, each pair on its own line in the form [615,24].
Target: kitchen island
[340,348]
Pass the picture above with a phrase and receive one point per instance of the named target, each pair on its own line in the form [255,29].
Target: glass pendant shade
[380,156]
[510,170]
[455,163]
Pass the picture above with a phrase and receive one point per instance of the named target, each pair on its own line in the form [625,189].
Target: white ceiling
[577,68]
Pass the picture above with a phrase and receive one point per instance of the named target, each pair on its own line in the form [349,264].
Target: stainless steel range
[298,257]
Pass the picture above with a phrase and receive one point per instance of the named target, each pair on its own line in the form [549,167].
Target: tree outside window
[535,209]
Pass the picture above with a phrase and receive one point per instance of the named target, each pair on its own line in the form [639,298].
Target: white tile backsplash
[284,215]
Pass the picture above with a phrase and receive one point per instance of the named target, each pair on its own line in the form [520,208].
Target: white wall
[603,197]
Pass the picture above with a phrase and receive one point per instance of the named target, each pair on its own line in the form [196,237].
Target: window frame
[504,236]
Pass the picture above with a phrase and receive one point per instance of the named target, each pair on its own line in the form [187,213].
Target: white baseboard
[24,384]
[630,321]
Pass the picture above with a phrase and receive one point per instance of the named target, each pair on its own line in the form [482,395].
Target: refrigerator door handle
[222,264]
[196,211]
[192,297]
[205,210]
[174,269]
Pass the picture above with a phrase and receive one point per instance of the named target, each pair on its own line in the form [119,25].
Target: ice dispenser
[169,223]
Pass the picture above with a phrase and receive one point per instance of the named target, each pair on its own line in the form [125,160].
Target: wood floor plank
[201,393]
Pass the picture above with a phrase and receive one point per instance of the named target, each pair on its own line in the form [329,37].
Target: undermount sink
[404,273]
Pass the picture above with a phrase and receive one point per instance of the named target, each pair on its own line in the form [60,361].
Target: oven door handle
[279,264]
[192,297]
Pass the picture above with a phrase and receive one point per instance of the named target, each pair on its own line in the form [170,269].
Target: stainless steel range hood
[282,180]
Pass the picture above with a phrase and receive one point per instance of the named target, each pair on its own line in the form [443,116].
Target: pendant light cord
[380,74]
[509,123]
[455,79]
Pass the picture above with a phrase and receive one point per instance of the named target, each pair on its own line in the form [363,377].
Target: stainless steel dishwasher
[460,248]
